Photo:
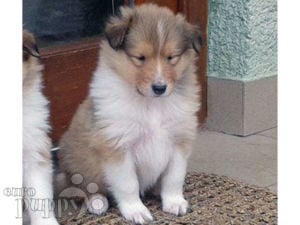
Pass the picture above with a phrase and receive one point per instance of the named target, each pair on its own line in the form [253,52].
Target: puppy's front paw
[97,204]
[176,205]
[136,212]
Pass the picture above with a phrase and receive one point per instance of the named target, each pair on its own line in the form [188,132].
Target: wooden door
[69,67]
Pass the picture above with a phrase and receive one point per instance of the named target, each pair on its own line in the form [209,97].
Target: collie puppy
[135,129]
[37,165]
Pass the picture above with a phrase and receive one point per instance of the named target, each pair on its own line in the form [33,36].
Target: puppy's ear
[118,27]
[196,38]
[191,32]
[29,46]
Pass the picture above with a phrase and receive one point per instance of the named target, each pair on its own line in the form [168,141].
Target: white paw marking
[97,204]
[136,213]
[176,205]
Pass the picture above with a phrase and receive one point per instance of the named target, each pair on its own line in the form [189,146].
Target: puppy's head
[30,56]
[151,48]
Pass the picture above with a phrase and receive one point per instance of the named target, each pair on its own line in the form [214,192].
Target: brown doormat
[213,200]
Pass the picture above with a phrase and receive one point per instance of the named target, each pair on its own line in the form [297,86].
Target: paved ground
[251,159]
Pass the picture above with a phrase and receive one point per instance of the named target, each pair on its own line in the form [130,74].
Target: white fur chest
[35,125]
[152,147]
[147,127]
[148,133]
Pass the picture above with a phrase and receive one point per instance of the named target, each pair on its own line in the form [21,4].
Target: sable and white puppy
[135,129]
[37,165]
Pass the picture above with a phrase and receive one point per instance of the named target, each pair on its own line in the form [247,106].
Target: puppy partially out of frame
[37,165]
[135,129]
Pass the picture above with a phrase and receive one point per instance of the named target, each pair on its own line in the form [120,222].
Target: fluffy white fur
[37,167]
[148,135]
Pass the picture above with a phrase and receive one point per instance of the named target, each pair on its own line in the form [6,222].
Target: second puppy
[135,129]
[37,164]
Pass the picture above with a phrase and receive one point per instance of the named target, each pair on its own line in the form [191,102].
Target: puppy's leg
[38,175]
[123,181]
[172,185]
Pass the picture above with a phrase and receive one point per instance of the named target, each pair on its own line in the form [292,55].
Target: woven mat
[213,200]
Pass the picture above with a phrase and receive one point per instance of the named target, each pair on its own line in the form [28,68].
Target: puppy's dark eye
[138,60]
[170,58]
[173,59]
[141,58]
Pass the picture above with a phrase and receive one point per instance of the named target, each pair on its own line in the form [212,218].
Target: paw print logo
[92,200]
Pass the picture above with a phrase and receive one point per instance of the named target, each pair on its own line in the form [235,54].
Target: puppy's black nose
[159,89]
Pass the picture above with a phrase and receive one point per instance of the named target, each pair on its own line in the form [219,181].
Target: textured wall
[242,39]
